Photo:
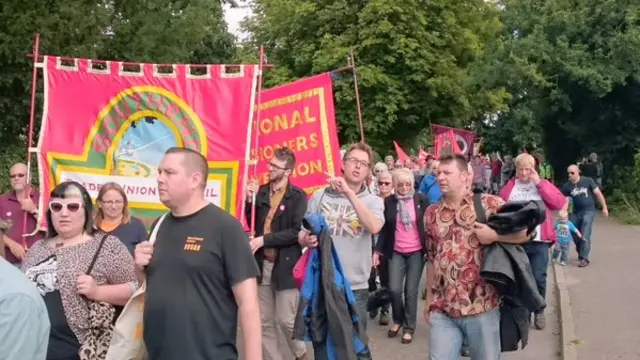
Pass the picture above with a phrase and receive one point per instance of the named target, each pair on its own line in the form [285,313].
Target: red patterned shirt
[456,255]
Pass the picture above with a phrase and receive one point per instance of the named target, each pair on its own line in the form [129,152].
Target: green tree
[573,69]
[414,59]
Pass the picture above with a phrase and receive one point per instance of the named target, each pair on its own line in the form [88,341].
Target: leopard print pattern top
[113,266]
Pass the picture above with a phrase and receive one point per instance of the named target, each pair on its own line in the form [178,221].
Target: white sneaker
[563,263]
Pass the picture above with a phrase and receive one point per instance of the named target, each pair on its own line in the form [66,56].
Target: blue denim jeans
[480,332]
[584,222]
[538,253]
[362,296]
[405,271]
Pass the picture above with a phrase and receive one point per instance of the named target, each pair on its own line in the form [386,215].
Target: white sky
[234,16]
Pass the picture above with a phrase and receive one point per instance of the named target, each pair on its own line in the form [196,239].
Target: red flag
[422,154]
[402,156]
[446,144]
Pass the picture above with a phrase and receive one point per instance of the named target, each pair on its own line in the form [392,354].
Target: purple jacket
[553,200]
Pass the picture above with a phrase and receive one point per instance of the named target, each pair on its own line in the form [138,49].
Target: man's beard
[275,179]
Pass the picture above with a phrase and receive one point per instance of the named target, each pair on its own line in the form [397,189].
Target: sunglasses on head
[56,206]
[385,183]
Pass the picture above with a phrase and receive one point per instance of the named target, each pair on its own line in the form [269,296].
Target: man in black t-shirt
[200,272]
[582,190]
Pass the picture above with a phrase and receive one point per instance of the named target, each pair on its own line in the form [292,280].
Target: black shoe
[385,319]
[393,333]
[373,314]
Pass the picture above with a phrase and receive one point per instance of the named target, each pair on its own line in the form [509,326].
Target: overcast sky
[234,16]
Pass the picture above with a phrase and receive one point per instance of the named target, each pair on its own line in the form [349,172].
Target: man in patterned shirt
[460,305]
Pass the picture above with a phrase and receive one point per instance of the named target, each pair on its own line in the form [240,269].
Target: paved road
[606,295]
[543,345]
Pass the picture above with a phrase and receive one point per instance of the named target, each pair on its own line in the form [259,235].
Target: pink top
[407,240]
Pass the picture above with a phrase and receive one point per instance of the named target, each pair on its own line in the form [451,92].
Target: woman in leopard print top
[58,265]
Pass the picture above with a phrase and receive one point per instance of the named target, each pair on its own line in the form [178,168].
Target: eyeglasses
[354,161]
[572,172]
[56,206]
[17,176]
[405,184]
[274,166]
[384,183]
[112,202]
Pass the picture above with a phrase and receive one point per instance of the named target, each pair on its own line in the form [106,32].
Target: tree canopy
[414,59]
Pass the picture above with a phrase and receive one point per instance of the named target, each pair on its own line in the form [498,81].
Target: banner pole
[32,116]
[355,85]
[252,227]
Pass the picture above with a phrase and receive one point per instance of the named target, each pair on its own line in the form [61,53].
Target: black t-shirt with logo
[190,311]
[63,343]
[581,193]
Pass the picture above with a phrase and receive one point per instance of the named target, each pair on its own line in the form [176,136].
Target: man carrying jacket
[461,307]
[353,215]
[280,208]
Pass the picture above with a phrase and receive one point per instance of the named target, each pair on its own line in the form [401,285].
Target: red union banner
[464,138]
[300,116]
[108,123]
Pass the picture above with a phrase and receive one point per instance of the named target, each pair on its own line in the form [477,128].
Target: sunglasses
[385,183]
[56,206]
[16,176]
[572,172]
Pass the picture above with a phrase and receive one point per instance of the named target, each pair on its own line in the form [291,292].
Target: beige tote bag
[127,342]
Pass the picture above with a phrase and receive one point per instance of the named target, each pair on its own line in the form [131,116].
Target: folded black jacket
[517,216]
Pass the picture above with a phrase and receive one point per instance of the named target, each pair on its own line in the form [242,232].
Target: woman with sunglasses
[113,217]
[74,267]
[402,243]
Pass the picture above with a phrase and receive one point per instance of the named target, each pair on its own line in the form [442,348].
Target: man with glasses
[582,190]
[14,204]
[280,207]
[353,214]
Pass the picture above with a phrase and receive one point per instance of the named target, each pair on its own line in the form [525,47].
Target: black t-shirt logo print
[193,244]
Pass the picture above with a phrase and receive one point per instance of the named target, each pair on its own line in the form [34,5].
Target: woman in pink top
[527,185]
[402,243]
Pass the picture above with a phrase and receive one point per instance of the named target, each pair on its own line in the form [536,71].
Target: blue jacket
[430,188]
[326,312]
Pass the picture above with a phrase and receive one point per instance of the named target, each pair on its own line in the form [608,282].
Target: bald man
[21,200]
[583,191]
[200,272]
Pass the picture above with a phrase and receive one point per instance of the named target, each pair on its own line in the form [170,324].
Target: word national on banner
[113,123]
[300,115]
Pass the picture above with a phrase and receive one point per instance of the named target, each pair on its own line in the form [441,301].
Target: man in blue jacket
[429,186]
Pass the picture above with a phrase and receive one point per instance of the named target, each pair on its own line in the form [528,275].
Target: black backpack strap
[95,256]
[481,217]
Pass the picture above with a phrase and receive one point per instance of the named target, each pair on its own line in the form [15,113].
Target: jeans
[405,269]
[480,332]
[561,251]
[538,253]
[584,222]
[362,296]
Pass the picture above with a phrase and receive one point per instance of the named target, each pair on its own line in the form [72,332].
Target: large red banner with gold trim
[300,115]
[113,122]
